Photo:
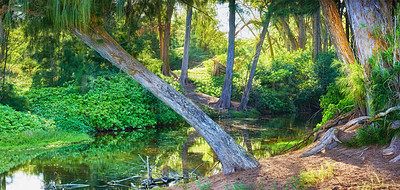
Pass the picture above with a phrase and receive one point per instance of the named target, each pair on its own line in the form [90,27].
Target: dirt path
[202,99]
[362,168]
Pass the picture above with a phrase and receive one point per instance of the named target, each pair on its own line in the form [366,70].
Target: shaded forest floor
[202,99]
[361,168]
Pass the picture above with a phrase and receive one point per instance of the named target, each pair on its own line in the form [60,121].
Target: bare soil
[361,168]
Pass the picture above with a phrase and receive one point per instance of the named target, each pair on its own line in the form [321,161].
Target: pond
[115,156]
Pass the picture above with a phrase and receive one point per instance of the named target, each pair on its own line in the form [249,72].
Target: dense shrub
[15,121]
[113,102]
[291,82]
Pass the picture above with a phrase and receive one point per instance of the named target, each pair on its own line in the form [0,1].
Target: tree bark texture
[367,18]
[225,99]
[335,27]
[246,93]
[183,79]
[166,69]
[232,156]
[316,24]
[302,32]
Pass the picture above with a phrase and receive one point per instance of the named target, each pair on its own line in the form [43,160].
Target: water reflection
[115,156]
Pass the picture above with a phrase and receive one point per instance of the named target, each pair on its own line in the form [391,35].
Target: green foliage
[311,177]
[385,86]
[15,121]
[112,102]
[287,84]
[204,186]
[349,89]
[379,134]
[10,97]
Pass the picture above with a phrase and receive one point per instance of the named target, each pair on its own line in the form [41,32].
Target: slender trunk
[366,17]
[183,79]
[246,93]
[271,49]
[293,42]
[160,35]
[316,22]
[233,157]
[225,99]
[165,69]
[4,56]
[302,32]
[335,28]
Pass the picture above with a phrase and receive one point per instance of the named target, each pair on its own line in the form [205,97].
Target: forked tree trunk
[246,93]
[316,24]
[366,17]
[166,69]
[225,99]
[183,79]
[232,156]
[335,28]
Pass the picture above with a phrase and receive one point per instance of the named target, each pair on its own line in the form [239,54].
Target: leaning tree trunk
[316,24]
[293,42]
[183,79]
[365,18]
[335,28]
[225,99]
[233,157]
[246,93]
[166,69]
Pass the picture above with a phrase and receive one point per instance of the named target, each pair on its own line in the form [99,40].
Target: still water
[115,156]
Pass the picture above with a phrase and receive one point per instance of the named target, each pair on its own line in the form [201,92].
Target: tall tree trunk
[3,56]
[183,79]
[335,28]
[271,49]
[246,93]
[225,99]
[316,24]
[302,32]
[365,17]
[166,69]
[293,42]
[233,157]
[160,34]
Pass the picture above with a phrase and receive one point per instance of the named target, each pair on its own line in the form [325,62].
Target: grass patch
[378,134]
[251,113]
[311,177]
[204,185]
[375,183]
[239,185]
[32,139]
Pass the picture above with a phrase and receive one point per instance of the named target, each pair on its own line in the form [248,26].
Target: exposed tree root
[330,139]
